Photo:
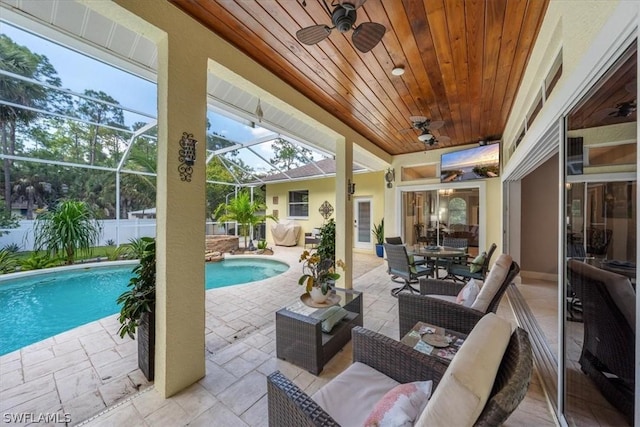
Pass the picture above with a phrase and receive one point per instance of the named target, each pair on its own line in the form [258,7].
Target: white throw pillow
[467,295]
[401,405]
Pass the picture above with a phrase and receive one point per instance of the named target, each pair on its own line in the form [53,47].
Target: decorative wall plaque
[326,210]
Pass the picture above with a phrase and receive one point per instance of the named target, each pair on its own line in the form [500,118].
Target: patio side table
[299,336]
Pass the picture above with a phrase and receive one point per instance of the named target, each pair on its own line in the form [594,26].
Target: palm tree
[66,229]
[243,211]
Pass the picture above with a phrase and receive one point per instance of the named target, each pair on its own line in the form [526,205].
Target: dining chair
[402,267]
[471,269]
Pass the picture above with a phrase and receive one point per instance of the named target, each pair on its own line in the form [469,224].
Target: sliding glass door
[600,225]
[431,215]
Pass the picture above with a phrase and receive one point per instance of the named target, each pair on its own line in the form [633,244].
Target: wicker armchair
[428,308]
[608,350]
[289,406]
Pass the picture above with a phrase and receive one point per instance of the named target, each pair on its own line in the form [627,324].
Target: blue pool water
[36,307]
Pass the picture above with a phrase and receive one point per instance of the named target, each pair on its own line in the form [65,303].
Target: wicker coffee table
[299,337]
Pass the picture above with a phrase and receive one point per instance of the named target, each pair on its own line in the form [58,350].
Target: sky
[78,72]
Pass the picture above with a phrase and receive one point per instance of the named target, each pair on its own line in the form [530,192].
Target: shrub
[134,249]
[8,261]
[39,261]
[13,248]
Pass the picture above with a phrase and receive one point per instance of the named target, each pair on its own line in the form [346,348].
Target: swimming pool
[41,305]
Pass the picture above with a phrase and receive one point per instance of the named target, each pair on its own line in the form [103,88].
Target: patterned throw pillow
[476,264]
[468,294]
[401,405]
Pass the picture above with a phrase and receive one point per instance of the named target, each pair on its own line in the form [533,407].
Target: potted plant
[378,233]
[318,275]
[138,308]
[327,244]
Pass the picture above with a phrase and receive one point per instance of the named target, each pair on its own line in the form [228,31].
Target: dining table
[433,254]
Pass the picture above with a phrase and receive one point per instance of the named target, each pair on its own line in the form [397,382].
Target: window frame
[291,203]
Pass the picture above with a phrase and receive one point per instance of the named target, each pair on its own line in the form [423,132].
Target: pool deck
[89,375]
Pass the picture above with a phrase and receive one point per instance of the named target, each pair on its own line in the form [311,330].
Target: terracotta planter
[146,334]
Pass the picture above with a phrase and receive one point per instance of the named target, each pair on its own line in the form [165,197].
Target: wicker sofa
[483,385]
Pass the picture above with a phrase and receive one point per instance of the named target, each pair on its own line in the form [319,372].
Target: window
[457,211]
[299,203]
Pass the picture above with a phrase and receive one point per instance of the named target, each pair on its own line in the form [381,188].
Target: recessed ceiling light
[397,71]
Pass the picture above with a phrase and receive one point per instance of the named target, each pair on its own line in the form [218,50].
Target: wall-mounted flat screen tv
[473,163]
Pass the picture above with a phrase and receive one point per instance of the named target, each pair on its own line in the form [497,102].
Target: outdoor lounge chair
[402,267]
[437,304]
[482,385]
[608,349]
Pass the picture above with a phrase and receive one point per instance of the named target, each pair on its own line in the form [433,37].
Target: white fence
[119,232]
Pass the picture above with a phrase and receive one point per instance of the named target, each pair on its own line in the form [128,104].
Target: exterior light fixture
[351,189]
[259,112]
[390,176]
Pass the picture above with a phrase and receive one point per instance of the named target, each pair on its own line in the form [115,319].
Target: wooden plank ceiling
[463,61]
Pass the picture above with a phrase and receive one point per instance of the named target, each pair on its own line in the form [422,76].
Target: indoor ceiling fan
[343,17]
[425,126]
[622,109]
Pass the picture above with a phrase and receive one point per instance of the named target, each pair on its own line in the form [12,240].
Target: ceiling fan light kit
[425,136]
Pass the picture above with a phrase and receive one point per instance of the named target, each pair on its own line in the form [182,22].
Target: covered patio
[91,374]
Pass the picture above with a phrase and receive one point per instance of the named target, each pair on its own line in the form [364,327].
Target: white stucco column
[344,210]
[182,78]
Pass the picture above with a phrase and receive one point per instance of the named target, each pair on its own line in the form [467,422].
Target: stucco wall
[320,190]
[569,26]
[539,252]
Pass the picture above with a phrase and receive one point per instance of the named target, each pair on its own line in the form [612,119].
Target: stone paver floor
[89,375]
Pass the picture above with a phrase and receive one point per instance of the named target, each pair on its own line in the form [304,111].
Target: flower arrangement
[318,272]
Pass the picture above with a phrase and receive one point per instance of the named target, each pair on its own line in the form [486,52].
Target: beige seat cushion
[465,387]
[350,397]
[492,283]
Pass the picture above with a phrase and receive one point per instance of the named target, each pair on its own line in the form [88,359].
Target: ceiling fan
[622,109]
[343,17]
[425,126]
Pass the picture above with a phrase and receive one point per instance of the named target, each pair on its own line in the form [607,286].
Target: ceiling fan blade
[443,138]
[314,34]
[437,124]
[367,35]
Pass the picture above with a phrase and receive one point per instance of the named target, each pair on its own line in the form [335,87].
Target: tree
[20,60]
[67,229]
[103,113]
[242,210]
[287,156]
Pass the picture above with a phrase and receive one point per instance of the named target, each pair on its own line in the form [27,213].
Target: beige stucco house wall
[368,184]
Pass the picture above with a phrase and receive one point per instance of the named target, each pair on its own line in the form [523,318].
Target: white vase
[317,296]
